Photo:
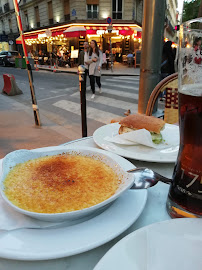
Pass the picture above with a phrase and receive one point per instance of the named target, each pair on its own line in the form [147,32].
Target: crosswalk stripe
[113,102]
[136,78]
[92,113]
[120,86]
[115,93]
[123,81]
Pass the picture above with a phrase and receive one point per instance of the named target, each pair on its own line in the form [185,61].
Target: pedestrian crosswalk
[119,94]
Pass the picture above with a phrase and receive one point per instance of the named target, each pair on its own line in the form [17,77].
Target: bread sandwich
[139,121]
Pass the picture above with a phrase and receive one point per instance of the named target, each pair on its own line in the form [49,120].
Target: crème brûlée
[62,183]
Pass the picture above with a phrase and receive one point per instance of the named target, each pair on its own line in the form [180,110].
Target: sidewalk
[119,70]
[18,131]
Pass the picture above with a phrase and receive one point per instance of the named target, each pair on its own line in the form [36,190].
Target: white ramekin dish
[111,160]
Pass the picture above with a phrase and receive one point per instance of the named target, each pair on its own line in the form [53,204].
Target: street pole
[29,70]
[82,84]
[152,43]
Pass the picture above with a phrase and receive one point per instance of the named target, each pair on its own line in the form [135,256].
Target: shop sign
[102,32]
[42,35]
[108,35]
[73,12]
[48,33]
[75,54]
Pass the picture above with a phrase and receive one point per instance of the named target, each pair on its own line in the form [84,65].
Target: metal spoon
[146,178]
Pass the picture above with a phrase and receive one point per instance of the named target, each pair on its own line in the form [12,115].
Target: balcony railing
[92,15]
[117,15]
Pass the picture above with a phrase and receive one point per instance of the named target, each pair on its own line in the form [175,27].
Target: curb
[75,72]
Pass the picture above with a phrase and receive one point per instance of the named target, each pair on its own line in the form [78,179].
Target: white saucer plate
[173,244]
[45,244]
[139,152]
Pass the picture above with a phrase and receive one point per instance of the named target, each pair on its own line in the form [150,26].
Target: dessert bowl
[113,161]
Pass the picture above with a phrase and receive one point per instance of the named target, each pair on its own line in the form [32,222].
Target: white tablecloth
[155,211]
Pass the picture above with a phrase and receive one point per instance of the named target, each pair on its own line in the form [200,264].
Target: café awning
[121,30]
[75,31]
[18,40]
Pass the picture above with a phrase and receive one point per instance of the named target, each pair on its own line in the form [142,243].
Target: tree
[191,10]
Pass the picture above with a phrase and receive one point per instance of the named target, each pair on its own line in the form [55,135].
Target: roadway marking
[113,102]
[120,86]
[92,113]
[51,97]
[114,92]
[137,78]
[124,81]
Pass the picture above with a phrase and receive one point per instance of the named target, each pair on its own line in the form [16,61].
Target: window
[10,25]
[117,9]
[50,12]
[26,20]
[36,9]
[3,26]
[66,10]
[92,11]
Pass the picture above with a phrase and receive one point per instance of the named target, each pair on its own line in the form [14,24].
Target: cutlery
[146,178]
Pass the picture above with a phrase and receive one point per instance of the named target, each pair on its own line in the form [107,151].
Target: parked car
[7,58]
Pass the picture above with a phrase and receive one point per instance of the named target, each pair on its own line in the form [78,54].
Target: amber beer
[186,189]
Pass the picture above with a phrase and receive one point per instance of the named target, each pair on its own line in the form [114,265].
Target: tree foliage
[191,10]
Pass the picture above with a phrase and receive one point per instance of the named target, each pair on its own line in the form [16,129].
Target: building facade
[171,20]
[57,15]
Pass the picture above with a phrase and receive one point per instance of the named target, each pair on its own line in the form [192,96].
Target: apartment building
[171,20]
[58,15]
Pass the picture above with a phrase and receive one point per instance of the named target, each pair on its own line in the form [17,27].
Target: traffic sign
[109,20]
[108,35]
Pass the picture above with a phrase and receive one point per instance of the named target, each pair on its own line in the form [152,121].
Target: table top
[154,211]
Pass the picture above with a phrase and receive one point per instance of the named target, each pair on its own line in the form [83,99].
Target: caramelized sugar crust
[61,183]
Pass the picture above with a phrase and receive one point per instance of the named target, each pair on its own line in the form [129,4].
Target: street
[58,98]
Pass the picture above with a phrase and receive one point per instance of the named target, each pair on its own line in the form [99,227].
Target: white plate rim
[123,153]
[139,231]
[22,255]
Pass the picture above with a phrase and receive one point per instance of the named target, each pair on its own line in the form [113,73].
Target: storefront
[4,46]
[124,38]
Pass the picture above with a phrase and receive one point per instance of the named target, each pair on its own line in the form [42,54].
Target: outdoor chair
[124,59]
[130,61]
[170,86]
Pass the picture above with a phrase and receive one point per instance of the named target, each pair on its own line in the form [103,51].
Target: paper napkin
[143,137]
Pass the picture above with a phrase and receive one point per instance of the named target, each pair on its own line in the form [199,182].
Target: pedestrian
[168,58]
[95,64]
[83,59]
[107,59]
[167,64]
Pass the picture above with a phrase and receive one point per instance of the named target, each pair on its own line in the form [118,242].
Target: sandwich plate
[138,152]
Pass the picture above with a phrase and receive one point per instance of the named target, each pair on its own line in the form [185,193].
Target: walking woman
[95,64]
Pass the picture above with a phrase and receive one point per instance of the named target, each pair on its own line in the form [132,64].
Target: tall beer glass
[185,194]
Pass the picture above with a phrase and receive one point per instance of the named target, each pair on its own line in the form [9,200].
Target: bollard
[82,85]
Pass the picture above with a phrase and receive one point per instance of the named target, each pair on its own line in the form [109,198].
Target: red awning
[90,30]
[123,30]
